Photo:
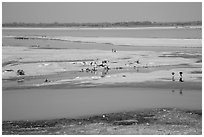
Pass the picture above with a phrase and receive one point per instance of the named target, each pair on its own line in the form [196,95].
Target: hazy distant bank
[132,24]
[107,28]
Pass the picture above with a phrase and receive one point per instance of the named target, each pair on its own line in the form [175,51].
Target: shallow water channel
[41,104]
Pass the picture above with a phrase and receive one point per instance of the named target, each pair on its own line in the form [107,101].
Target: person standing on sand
[46,80]
[173,79]
[181,78]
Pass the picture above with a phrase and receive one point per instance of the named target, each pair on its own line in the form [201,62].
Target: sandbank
[48,61]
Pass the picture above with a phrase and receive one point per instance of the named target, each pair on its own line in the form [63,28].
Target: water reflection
[180,91]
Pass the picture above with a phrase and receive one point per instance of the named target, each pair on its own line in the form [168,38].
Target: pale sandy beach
[49,61]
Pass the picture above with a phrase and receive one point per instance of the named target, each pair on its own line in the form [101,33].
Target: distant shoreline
[106,28]
[105,24]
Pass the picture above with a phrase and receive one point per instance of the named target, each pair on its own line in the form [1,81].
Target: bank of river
[155,121]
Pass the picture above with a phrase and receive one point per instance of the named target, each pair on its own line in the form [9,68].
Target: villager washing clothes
[96,66]
[20,72]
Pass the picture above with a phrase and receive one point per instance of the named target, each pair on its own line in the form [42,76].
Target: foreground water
[39,104]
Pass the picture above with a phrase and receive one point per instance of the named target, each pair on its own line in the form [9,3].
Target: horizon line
[55,22]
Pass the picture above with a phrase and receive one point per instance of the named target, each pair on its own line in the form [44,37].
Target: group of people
[103,64]
[20,72]
[114,50]
[180,78]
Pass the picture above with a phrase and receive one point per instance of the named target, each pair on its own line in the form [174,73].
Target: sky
[81,12]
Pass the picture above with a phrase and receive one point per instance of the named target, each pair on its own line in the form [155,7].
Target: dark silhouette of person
[181,77]
[173,79]
[46,80]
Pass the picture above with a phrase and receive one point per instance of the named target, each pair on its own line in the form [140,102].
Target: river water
[187,33]
[35,104]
